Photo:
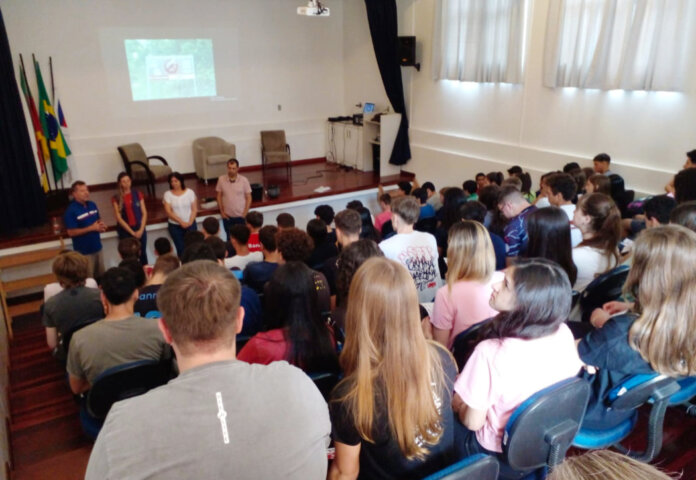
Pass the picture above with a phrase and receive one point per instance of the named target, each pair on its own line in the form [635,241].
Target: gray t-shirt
[72,307]
[226,419]
[108,343]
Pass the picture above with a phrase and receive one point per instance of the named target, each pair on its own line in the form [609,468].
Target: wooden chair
[275,151]
[137,165]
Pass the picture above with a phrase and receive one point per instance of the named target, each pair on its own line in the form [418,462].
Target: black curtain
[381,15]
[22,201]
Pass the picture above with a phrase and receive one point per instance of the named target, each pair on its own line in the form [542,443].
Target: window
[618,44]
[479,40]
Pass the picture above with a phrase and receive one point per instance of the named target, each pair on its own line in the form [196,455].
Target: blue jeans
[177,233]
[228,222]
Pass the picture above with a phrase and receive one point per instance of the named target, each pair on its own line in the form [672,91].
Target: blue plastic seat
[687,391]
[475,467]
[540,431]
[629,395]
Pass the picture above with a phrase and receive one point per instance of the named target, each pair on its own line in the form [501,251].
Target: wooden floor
[305,178]
[48,442]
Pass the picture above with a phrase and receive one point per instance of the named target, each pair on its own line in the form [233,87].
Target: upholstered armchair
[275,151]
[137,165]
[210,156]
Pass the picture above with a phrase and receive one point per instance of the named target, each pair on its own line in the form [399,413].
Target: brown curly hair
[294,245]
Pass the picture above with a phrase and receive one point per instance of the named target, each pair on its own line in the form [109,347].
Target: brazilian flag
[49,124]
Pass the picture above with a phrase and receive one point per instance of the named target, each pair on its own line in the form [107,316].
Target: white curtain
[619,44]
[479,40]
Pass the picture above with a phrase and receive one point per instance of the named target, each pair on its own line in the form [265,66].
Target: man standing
[416,250]
[221,418]
[233,196]
[84,225]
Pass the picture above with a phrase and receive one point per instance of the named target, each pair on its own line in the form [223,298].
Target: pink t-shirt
[500,375]
[381,219]
[466,305]
[233,194]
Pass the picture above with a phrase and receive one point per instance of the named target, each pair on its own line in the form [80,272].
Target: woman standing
[131,213]
[181,207]
[600,223]
[471,274]
[391,414]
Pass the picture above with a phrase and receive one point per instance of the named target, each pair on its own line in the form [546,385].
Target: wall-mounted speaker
[407,52]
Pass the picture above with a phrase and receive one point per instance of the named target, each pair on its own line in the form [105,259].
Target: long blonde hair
[606,465]
[470,254]
[663,278]
[386,354]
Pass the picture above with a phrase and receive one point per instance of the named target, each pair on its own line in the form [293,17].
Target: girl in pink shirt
[528,348]
[464,301]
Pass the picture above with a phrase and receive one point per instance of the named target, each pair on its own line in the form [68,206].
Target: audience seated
[387,424]
[606,465]
[239,238]
[75,306]
[162,246]
[549,238]
[528,348]
[689,163]
[561,190]
[133,264]
[192,237]
[658,337]
[385,215]
[476,211]
[684,215]
[119,338]
[426,210]
[580,181]
[198,251]
[488,195]
[254,220]
[220,417]
[685,185]
[470,187]
[211,227]
[146,304]
[542,199]
[323,247]
[294,327]
[471,274]
[495,178]
[481,181]
[433,197]
[285,221]
[257,274]
[602,163]
[526,190]
[348,263]
[129,247]
[218,246]
[598,183]
[348,226]
[516,209]
[449,215]
[417,251]
[600,223]
[367,227]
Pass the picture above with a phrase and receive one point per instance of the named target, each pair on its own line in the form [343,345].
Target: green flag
[49,124]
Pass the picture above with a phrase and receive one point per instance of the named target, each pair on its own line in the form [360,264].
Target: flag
[49,123]
[41,143]
[66,138]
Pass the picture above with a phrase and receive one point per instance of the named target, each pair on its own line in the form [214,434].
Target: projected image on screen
[171,68]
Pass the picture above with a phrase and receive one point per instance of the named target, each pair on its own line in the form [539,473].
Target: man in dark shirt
[515,208]
[84,225]
[146,304]
[257,274]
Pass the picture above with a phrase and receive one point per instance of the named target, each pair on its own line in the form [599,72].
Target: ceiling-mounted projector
[314,8]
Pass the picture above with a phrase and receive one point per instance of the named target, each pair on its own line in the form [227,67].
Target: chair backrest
[465,343]
[475,467]
[639,389]
[541,429]
[426,225]
[687,390]
[211,145]
[125,381]
[273,140]
[603,289]
[133,152]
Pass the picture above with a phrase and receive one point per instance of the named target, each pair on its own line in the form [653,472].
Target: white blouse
[181,204]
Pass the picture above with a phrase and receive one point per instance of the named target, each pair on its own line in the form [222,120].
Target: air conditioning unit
[314,8]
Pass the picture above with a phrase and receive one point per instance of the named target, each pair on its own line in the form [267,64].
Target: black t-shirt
[256,274]
[607,348]
[330,269]
[383,458]
[146,304]
[320,254]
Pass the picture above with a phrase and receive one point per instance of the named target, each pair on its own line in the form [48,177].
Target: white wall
[266,55]
[459,128]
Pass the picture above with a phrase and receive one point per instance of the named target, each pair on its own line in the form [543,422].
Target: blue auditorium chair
[687,391]
[603,289]
[475,467]
[628,396]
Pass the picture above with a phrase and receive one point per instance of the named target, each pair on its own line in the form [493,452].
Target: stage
[297,197]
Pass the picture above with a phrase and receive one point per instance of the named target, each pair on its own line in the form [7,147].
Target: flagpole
[53,88]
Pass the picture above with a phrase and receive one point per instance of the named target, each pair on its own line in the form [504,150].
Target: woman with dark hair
[528,347]
[527,192]
[130,213]
[600,223]
[598,183]
[549,238]
[295,329]
[367,230]
[495,177]
[448,215]
[391,415]
[181,206]
[347,264]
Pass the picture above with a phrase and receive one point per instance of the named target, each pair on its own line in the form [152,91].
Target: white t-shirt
[181,204]
[242,261]
[590,262]
[575,233]
[417,251]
